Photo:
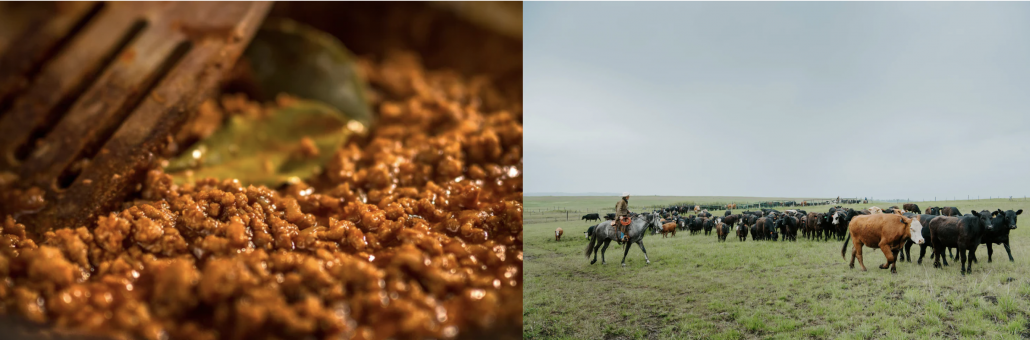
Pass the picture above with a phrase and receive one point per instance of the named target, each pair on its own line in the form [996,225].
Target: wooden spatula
[92,91]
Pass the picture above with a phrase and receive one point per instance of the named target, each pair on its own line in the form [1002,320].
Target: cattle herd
[893,230]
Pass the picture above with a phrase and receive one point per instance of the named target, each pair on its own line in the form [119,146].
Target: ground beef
[413,231]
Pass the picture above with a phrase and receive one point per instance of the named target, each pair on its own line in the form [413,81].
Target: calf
[933,211]
[803,225]
[1003,222]
[669,228]
[557,234]
[722,230]
[591,217]
[887,232]
[964,233]
[742,232]
[589,231]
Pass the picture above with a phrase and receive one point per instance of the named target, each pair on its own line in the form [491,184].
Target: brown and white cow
[557,234]
[885,231]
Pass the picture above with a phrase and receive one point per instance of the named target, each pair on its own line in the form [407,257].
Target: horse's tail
[590,246]
[845,247]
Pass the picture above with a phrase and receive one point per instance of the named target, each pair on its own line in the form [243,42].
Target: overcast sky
[803,99]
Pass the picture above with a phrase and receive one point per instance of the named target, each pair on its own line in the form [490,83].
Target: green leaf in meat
[267,150]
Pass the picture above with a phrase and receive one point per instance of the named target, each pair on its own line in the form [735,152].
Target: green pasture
[698,288]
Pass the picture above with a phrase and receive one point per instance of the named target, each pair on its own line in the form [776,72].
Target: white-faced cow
[906,251]
[887,232]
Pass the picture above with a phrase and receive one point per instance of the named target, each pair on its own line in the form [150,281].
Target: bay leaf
[266,150]
[290,57]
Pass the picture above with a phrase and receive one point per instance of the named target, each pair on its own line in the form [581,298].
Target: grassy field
[696,287]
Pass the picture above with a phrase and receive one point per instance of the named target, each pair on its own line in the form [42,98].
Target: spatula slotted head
[92,91]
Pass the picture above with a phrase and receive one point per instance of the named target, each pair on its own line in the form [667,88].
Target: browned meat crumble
[414,231]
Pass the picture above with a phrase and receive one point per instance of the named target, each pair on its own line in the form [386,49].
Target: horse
[557,234]
[604,233]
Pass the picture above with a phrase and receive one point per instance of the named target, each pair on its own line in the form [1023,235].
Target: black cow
[965,233]
[950,211]
[731,220]
[789,228]
[770,228]
[697,225]
[589,231]
[911,207]
[682,223]
[1003,222]
[933,211]
[826,229]
[609,216]
[758,229]
[906,252]
[843,220]
[591,217]
[728,213]
[709,224]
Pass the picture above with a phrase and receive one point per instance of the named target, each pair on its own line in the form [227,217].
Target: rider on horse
[622,216]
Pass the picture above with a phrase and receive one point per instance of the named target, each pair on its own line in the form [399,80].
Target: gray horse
[604,233]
